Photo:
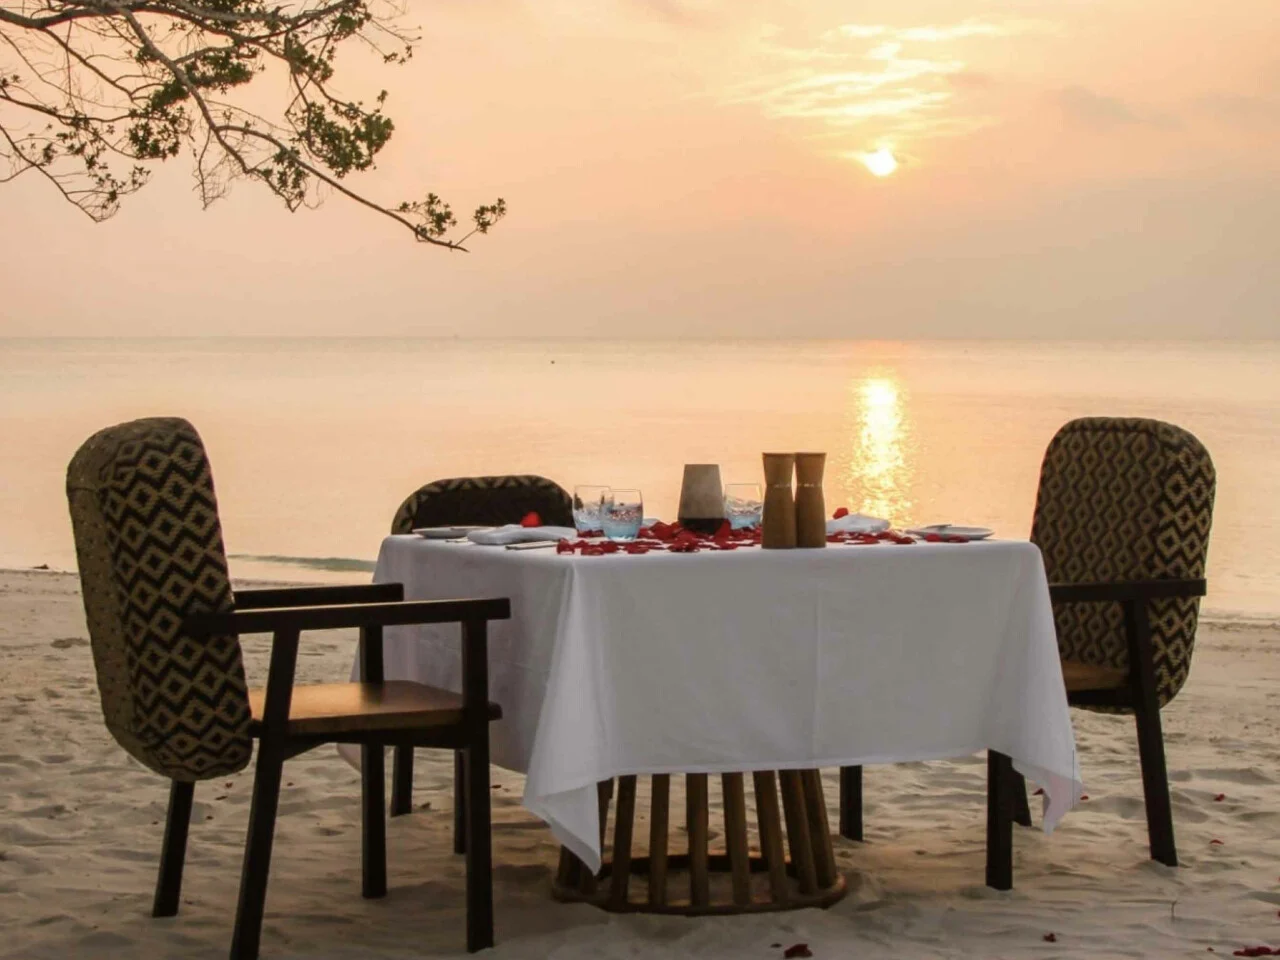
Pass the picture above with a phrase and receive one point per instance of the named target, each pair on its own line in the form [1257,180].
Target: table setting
[752,634]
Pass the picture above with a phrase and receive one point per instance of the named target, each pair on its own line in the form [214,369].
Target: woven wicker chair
[164,625]
[470,500]
[1122,519]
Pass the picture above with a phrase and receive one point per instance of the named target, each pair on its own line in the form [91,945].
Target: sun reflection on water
[877,472]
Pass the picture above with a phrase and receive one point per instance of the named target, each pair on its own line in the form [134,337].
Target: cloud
[1241,110]
[1088,108]
[886,81]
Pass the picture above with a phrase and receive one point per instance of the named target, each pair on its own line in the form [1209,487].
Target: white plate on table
[446,533]
[951,530]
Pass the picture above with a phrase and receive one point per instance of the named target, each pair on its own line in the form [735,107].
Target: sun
[881,162]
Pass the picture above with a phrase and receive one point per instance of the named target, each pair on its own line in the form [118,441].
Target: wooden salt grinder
[778,527]
[811,510]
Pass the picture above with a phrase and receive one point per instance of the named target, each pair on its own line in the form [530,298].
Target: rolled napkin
[516,533]
[856,523]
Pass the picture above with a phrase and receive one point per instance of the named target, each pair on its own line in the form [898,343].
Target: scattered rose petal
[797,950]
[531,519]
[1256,952]
[1216,841]
[1219,798]
[840,514]
[1084,796]
[1039,792]
[1050,938]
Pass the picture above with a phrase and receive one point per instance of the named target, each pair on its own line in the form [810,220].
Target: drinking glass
[743,505]
[588,501]
[622,514]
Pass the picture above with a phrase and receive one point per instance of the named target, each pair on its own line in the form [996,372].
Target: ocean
[315,442]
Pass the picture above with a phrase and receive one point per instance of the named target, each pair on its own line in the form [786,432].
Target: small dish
[447,533]
[953,531]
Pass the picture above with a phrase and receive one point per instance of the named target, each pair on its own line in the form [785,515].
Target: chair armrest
[1126,591]
[348,615]
[318,596]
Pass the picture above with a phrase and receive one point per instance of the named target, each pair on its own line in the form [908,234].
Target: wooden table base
[698,881]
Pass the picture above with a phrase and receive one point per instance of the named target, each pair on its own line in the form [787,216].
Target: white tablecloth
[747,660]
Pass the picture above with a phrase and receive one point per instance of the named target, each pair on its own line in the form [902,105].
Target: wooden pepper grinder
[778,527]
[811,510]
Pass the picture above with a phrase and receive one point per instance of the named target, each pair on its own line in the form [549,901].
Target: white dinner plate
[447,533]
[950,530]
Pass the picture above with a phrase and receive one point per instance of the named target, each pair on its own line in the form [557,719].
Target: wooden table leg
[735,835]
[771,834]
[659,811]
[812,880]
[798,838]
[695,785]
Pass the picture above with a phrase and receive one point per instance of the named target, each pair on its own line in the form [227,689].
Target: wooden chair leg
[1155,776]
[460,801]
[257,853]
[1155,785]
[174,852]
[479,845]
[999,822]
[373,821]
[402,781]
[851,803]
[1021,808]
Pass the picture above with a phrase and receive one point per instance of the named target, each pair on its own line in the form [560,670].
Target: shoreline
[351,570]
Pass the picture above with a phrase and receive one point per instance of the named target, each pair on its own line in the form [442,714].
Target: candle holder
[811,510]
[701,498]
[778,527]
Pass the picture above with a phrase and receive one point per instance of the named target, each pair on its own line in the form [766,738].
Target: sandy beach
[82,822]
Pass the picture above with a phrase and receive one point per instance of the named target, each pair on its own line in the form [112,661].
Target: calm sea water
[315,442]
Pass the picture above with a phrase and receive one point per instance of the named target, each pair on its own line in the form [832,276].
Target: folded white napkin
[857,523]
[514,533]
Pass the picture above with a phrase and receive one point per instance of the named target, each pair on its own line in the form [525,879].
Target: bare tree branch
[95,92]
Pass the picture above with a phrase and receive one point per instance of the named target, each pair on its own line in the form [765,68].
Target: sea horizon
[316,440]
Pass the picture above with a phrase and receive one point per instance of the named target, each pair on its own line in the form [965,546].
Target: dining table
[745,661]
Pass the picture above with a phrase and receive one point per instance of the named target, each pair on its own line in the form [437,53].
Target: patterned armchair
[164,626]
[1124,500]
[492,501]
[484,501]
[1122,520]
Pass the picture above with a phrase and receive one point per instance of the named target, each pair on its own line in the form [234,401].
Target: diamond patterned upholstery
[1125,499]
[484,500]
[150,553]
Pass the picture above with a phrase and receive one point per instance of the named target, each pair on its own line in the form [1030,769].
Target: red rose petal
[531,519]
[1215,841]
[1050,938]
[1219,798]
[841,513]
[1039,792]
[564,546]
[797,950]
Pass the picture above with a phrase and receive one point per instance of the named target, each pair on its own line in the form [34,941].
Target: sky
[709,168]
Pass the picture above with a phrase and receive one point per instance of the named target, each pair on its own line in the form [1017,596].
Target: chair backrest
[1125,499]
[484,500]
[149,548]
